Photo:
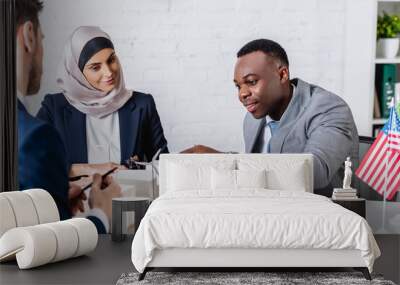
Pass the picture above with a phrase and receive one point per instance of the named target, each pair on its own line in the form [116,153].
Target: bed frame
[242,259]
[245,258]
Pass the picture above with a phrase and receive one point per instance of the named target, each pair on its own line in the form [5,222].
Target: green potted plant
[388,28]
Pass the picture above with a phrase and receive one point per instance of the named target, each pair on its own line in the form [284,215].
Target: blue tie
[273,125]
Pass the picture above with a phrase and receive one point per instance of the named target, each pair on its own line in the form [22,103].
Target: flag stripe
[368,157]
[381,173]
[376,146]
[380,161]
[395,187]
[376,159]
[394,134]
[393,175]
[394,147]
[387,176]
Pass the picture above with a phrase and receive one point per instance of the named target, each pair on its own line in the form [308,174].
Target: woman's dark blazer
[140,127]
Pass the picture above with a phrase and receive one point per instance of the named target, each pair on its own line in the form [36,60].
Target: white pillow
[189,175]
[223,179]
[251,178]
[293,179]
[237,179]
[280,174]
[183,177]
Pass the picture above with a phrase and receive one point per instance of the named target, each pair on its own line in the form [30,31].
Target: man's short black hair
[268,47]
[27,10]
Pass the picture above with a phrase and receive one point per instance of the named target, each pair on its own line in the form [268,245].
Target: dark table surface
[104,265]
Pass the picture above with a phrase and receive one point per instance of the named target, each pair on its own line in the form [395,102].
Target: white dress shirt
[103,139]
[103,145]
[269,129]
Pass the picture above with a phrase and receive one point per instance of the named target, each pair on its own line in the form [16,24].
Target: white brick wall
[183,53]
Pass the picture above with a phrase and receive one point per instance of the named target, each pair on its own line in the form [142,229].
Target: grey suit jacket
[316,121]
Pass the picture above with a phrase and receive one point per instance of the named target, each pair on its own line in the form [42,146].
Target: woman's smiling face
[102,70]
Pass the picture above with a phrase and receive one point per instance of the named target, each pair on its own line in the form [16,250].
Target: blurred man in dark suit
[41,154]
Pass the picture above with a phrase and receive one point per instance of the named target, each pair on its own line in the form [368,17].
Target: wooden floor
[389,262]
[102,266]
[106,264]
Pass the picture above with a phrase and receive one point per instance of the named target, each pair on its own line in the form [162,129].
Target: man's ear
[29,36]
[284,73]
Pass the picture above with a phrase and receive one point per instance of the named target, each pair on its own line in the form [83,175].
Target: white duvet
[250,219]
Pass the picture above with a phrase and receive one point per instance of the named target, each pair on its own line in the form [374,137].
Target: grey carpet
[228,278]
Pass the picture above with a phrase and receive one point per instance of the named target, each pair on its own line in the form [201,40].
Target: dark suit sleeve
[331,134]
[154,138]
[42,164]
[99,225]
[46,110]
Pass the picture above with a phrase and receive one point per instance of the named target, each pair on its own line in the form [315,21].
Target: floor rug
[243,278]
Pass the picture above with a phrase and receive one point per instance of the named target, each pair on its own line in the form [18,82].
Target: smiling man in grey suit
[291,116]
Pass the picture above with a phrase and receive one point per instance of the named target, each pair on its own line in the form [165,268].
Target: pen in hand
[102,177]
[76,178]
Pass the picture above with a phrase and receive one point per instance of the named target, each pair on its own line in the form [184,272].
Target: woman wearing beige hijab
[101,122]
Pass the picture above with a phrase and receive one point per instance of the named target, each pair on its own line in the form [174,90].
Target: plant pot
[388,48]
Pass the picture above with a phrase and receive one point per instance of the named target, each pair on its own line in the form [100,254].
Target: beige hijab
[77,89]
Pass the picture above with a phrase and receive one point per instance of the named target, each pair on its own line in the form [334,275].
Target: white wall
[359,61]
[183,53]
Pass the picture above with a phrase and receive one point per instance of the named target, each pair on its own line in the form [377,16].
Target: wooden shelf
[388,60]
[379,121]
[391,7]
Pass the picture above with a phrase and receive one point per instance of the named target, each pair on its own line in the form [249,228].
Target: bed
[247,210]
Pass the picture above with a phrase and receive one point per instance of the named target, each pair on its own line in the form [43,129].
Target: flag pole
[385,193]
[391,117]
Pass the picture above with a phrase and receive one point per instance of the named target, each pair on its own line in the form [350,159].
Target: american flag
[380,168]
